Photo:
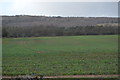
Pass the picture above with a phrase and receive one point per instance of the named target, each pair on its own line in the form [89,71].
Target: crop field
[67,55]
[74,79]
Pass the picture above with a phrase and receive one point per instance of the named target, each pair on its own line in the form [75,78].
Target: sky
[81,8]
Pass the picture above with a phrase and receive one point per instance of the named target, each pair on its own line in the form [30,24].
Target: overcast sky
[64,8]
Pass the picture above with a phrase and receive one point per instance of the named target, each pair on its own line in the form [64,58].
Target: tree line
[38,31]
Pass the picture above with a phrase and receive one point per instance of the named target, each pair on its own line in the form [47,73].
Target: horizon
[60,16]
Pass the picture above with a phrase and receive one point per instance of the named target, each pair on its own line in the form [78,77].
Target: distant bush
[37,31]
